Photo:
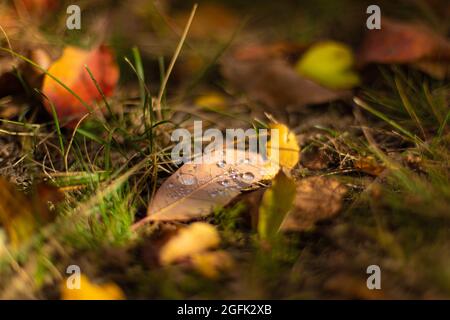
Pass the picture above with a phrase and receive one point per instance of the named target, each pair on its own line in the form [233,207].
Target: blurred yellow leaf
[276,203]
[92,291]
[212,101]
[209,264]
[289,150]
[330,64]
[21,215]
[194,239]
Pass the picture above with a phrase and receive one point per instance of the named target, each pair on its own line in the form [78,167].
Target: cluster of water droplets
[233,178]
[230,181]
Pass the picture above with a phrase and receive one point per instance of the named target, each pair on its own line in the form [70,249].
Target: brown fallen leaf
[194,190]
[315,158]
[258,51]
[406,42]
[275,83]
[369,165]
[317,198]
[401,42]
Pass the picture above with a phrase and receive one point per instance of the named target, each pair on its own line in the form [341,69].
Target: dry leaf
[275,204]
[289,150]
[275,50]
[194,239]
[401,42]
[317,198]
[369,165]
[194,190]
[276,84]
[70,70]
[91,291]
[315,158]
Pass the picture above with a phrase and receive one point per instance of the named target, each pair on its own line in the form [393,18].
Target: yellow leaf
[330,64]
[92,291]
[22,215]
[276,203]
[212,101]
[209,264]
[194,239]
[288,148]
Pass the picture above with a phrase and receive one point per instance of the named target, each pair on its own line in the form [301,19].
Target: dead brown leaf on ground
[317,198]
[315,159]
[406,42]
[194,190]
[369,165]
[274,83]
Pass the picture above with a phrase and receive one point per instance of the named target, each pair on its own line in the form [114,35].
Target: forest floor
[372,180]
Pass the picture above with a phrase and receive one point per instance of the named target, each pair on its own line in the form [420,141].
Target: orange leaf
[92,291]
[70,69]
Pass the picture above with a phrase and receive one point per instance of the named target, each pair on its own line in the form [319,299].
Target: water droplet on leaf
[187,179]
